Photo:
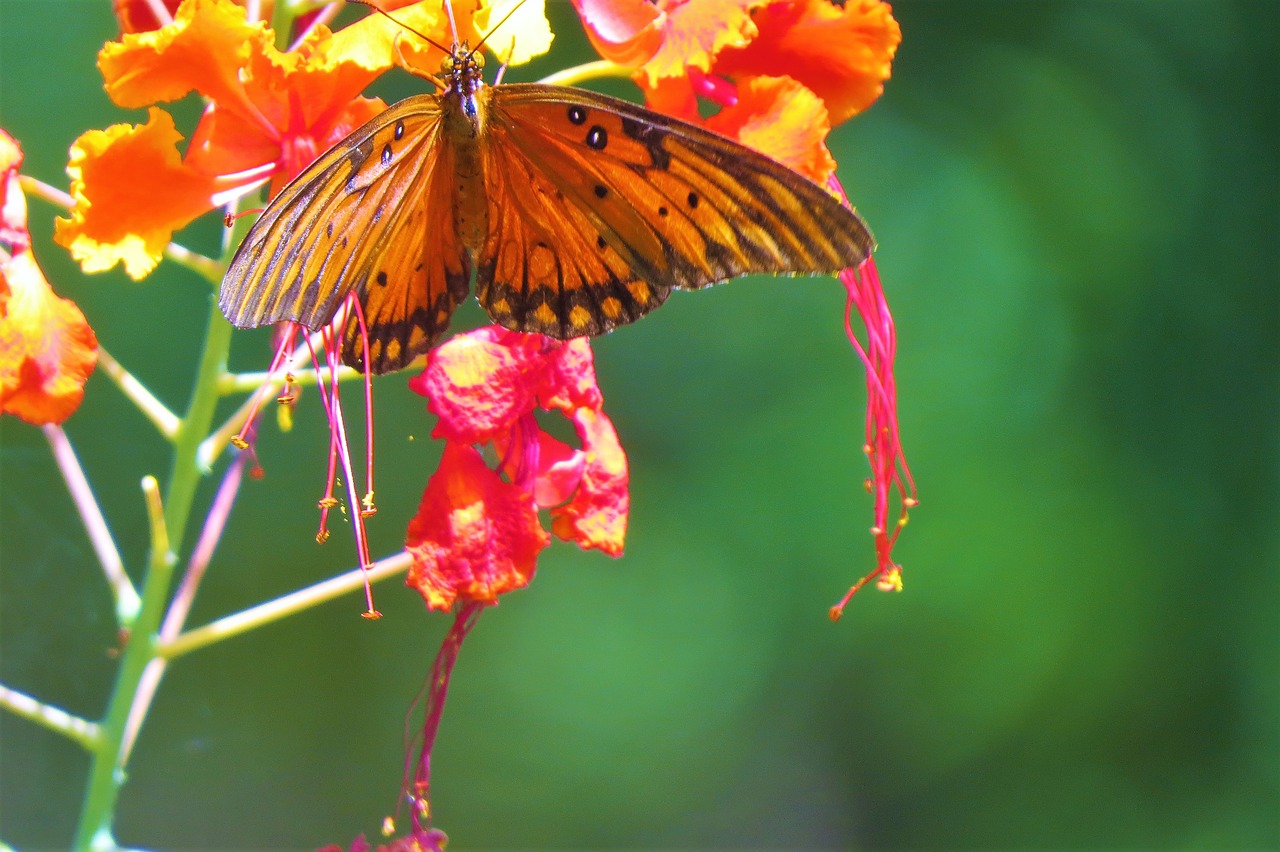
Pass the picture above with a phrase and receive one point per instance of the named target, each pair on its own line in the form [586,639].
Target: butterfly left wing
[599,207]
[357,220]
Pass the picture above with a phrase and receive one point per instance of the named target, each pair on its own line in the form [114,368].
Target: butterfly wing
[370,216]
[600,207]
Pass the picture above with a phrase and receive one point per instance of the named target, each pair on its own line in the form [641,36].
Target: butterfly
[574,211]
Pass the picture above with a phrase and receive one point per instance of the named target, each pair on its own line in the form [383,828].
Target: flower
[270,113]
[782,71]
[477,533]
[47,349]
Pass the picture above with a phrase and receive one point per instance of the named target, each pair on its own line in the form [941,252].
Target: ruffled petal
[203,50]
[131,193]
[781,118]
[526,34]
[842,53]
[695,33]
[596,517]
[475,386]
[475,536]
[568,377]
[47,349]
[626,32]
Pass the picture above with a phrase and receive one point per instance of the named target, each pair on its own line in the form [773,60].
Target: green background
[1077,211]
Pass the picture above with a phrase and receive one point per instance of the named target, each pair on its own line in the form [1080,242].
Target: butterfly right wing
[357,220]
[600,207]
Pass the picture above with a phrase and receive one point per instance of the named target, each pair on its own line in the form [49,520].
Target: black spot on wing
[650,136]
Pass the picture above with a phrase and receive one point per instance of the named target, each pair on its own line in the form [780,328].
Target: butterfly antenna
[428,39]
[495,27]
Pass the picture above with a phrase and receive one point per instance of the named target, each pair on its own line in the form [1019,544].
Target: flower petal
[204,50]
[781,118]
[842,53]
[597,515]
[47,349]
[559,468]
[626,32]
[475,386]
[695,33]
[131,193]
[475,536]
[568,377]
[524,35]
[13,213]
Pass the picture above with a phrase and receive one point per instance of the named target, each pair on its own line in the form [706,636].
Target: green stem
[165,421]
[106,774]
[311,596]
[54,718]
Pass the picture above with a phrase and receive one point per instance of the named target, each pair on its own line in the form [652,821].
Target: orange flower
[783,71]
[47,349]
[841,53]
[476,534]
[269,114]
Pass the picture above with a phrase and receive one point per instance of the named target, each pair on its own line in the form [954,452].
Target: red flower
[477,533]
[786,69]
[475,536]
[47,349]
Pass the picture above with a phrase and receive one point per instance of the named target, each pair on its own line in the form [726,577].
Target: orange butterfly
[578,213]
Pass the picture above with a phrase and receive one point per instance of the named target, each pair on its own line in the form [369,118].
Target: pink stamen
[883,447]
[339,452]
[328,501]
[367,508]
[716,89]
[283,348]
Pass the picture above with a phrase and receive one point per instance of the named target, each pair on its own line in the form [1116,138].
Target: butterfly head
[461,69]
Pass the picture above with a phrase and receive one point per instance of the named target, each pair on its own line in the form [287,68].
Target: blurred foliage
[1077,206]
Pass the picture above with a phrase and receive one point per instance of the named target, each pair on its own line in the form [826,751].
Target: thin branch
[240,382]
[45,192]
[59,721]
[214,524]
[180,606]
[126,596]
[166,422]
[242,622]
[155,516]
[206,267]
